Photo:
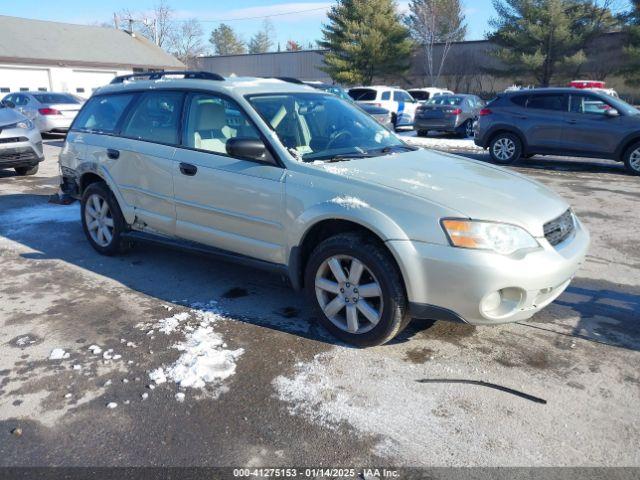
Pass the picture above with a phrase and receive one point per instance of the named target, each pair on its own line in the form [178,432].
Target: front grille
[559,229]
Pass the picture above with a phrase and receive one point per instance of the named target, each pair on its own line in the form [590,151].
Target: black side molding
[431,312]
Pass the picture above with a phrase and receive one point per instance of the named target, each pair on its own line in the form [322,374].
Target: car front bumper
[20,148]
[456,284]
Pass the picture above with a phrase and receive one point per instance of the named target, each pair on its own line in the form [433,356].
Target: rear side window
[386,96]
[362,94]
[555,102]
[520,100]
[155,118]
[101,114]
[400,96]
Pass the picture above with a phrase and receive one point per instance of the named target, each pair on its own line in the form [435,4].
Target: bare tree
[186,42]
[434,22]
[157,25]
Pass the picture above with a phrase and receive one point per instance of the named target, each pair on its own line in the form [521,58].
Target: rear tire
[364,309]
[422,133]
[632,159]
[465,130]
[505,148]
[102,219]
[23,171]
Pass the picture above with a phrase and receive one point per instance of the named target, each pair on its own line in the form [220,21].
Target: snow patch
[169,325]
[349,202]
[442,143]
[58,354]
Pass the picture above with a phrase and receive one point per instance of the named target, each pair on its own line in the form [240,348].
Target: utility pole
[115,21]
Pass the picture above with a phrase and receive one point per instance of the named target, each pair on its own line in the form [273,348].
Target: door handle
[113,154]
[188,169]
[572,122]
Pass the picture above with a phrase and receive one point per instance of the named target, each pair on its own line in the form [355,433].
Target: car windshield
[316,126]
[54,98]
[445,100]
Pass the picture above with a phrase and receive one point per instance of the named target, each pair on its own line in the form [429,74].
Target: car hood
[477,190]
[9,116]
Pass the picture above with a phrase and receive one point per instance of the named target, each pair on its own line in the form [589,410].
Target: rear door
[543,120]
[405,107]
[588,128]
[222,201]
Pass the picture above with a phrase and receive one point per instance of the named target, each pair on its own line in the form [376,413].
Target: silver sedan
[49,111]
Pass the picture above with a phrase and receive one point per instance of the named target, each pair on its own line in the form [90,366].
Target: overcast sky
[303,26]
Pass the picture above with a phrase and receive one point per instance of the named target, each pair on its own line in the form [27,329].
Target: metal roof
[29,41]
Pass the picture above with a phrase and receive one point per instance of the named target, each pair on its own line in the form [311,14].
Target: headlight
[26,124]
[498,237]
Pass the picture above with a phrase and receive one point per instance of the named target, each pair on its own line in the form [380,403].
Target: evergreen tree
[545,39]
[365,39]
[631,70]
[262,41]
[226,42]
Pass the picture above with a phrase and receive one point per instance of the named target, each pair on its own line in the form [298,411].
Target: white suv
[299,181]
[401,105]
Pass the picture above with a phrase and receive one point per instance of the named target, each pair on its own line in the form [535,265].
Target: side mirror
[248,149]
[612,112]
[9,104]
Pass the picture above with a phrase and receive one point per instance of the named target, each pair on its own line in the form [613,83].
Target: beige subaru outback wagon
[285,177]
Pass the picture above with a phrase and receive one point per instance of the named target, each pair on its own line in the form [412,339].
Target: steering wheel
[342,134]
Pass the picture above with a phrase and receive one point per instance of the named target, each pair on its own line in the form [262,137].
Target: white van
[399,102]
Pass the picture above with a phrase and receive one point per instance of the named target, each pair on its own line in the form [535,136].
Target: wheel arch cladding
[626,144]
[320,231]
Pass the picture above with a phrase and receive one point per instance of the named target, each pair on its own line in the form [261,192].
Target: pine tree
[631,70]
[365,39]
[545,39]
[262,41]
[226,42]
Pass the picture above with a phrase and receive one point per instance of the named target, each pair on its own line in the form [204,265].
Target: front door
[221,201]
[588,129]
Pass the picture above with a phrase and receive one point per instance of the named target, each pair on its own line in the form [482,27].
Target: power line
[254,18]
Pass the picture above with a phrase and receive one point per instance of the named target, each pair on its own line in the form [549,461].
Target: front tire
[356,289]
[505,148]
[22,171]
[102,219]
[632,159]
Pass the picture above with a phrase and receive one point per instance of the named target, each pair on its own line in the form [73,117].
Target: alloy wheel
[634,160]
[349,294]
[99,220]
[504,149]
[469,128]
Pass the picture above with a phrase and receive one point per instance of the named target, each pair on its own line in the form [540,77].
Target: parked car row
[51,112]
[20,142]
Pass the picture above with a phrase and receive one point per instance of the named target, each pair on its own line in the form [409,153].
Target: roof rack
[297,81]
[188,74]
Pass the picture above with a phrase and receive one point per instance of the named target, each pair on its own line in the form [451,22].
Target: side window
[386,95]
[588,104]
[155,118]
[520,100]
[555,102]
[400,96]
[212,121]
[19,100]
[101,114]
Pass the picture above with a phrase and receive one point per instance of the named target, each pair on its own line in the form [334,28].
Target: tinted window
[419,94]
[101,114]
[54,98]
[363,94]
[386,96]
[555,102]
[212,121]
[520,100]
[155,118]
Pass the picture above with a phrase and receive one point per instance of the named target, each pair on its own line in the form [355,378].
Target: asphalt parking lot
[288,394]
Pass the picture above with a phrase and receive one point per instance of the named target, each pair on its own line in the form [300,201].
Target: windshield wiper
[342,157]
[391,149]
